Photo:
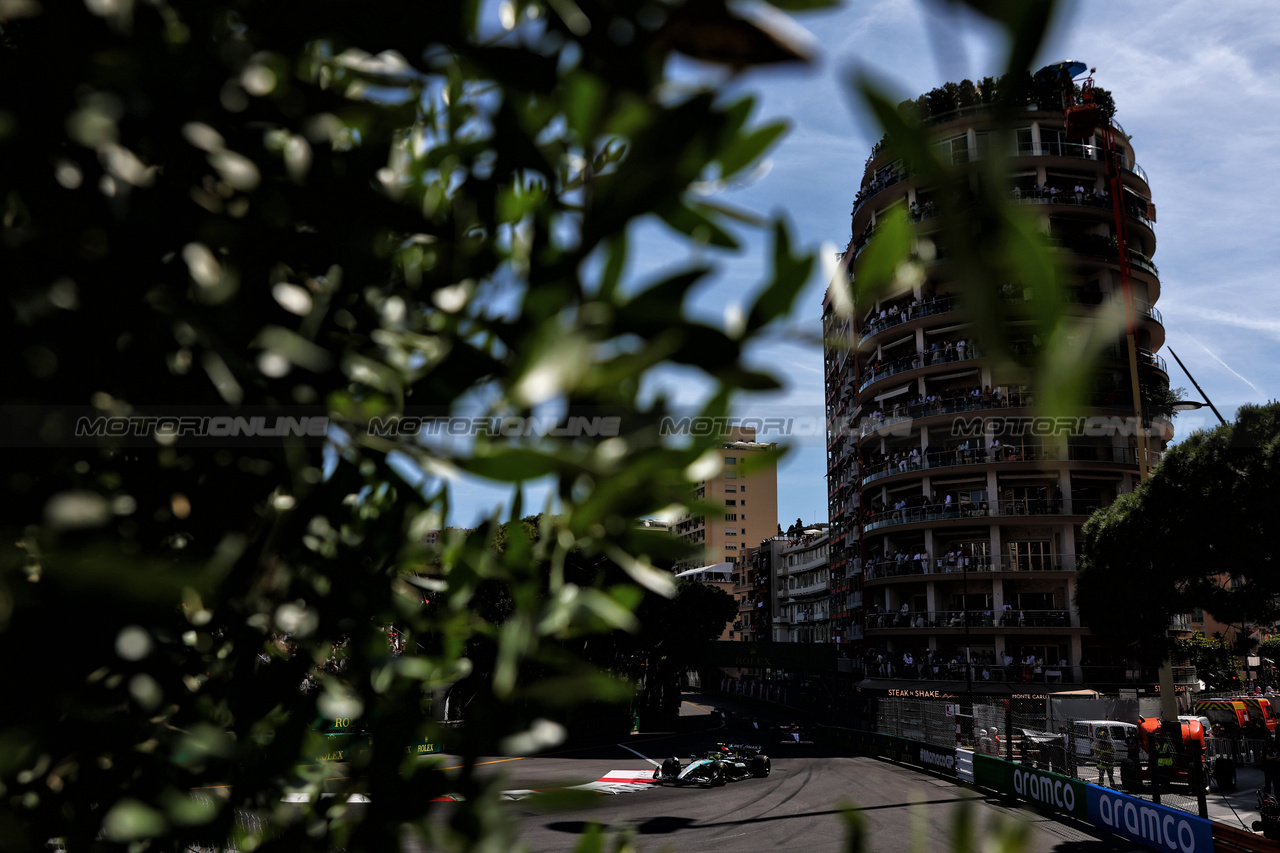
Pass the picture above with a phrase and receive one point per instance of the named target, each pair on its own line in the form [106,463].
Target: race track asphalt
[798,807]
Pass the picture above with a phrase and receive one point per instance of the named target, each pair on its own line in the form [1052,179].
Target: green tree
[375,210]
[1195,534]
[1214,659]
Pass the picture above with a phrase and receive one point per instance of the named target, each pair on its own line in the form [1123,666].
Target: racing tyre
[760,767]
[718,781]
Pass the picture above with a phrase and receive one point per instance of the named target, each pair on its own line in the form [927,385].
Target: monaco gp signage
[1046,790]
[940,759]
[1147,824]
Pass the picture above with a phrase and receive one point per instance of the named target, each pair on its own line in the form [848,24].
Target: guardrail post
[1199,778]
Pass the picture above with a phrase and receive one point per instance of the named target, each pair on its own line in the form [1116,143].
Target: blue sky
[1197,86]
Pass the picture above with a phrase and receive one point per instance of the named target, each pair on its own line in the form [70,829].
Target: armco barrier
[1049,791]
[1134,819]
[1131,818]
[1144,822]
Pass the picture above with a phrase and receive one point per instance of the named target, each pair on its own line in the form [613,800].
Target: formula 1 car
[731,762]
[794,736]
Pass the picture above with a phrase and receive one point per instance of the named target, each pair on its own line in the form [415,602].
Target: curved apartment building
[955,515]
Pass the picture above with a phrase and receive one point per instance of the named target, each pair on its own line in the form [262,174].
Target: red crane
[1083,120]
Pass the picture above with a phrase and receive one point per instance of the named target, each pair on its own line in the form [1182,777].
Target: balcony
[907,313]
[931,567]
[1089,199]
[916,619]
[1103,247]
[1080,151]
[808,589]
[999,509]
[1150,359]
[883,370]
[1003,455]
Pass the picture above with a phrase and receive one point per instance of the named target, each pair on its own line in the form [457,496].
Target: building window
[1026,143]
[729,547]
[1034,555]
[731,488]
[730,502]
[729,531]
[730,460]
[954,150]
[1197,614]
[730,516]
[731,475]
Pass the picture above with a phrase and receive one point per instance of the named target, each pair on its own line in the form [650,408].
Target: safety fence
[1157,826]
[1106,752]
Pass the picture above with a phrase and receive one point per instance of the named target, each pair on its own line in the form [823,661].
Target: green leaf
[513,465]
[690,219]
[790,274]
[746,149]
[585,99]
[889,248]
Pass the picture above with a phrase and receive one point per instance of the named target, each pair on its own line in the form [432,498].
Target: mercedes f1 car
[730,762]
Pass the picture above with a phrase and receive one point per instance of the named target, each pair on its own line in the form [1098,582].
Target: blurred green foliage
[371,209]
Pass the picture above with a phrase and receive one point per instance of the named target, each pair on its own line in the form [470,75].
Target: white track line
[641,754]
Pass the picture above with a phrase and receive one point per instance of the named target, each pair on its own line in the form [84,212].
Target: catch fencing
[1026,733]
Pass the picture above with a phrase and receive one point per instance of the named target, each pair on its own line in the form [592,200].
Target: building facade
[753,583]
[954,519]
[744,496]
[802,581]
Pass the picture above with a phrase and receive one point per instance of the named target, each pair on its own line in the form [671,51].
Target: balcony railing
[999,509]
[887,569]
[1017,672]
[1080,151]
[1086,199]
[883,370]
[907,313]
[1150,359]
[1004,454]
[914,619]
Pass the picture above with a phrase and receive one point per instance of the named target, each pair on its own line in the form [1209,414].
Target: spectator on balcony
[1017,193]
[1079,191]
[1057,500]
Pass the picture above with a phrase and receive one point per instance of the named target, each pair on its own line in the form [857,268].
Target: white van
[1084,734]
